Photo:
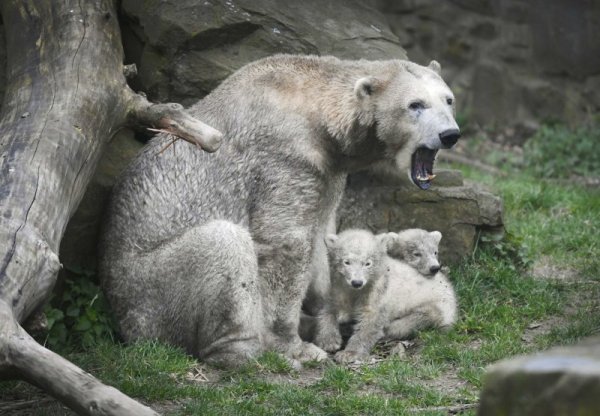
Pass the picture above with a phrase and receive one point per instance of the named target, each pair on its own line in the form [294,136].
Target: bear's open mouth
[421,169]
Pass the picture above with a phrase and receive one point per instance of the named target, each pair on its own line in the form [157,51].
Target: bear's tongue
[421,171]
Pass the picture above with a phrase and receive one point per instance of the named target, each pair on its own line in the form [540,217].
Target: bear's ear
[393,243]
[365,86]
[386,240]
[437,236]
[330,240]
[435,67]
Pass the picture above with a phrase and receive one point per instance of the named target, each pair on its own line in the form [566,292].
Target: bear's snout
[357,284]
[449,137]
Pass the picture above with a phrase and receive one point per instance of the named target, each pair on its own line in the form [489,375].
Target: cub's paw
[398,350]
[347,357]
[330,342]
[309,352]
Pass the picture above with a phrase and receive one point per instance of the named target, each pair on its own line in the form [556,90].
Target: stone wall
[2,62]
[512,63]
[185,48]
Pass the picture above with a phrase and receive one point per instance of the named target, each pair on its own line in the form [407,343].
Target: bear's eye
[449,101]
[347,262]
[368,263]
[436,253]
[417,105]
[417,254]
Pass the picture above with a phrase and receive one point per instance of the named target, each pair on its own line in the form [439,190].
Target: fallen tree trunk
[65,97]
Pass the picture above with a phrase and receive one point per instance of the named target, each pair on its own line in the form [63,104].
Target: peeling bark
[66,95]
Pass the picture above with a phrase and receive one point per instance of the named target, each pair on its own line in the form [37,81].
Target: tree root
[22,357]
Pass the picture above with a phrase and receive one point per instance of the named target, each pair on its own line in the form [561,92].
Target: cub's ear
[398,246]
[386,240]
[366,86]
[435,67]
[330,240]
[437,236]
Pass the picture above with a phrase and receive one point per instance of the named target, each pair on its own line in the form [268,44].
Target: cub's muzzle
[357,284]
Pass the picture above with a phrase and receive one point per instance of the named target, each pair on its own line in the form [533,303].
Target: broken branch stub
[173,119]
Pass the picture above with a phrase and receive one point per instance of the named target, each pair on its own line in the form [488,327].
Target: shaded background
[513,64]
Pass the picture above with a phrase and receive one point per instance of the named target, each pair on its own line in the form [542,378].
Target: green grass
[546,219]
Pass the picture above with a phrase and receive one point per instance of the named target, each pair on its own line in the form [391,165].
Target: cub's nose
[434,269]
[357,284]
[449,137]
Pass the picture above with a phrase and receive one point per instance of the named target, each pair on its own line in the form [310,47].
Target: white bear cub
[418,296]
[358,282]
[405,291]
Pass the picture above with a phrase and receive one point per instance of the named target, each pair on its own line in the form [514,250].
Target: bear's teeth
[426,178]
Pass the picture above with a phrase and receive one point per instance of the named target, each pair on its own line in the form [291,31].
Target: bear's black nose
[357,283]
[434,269]
[449,137]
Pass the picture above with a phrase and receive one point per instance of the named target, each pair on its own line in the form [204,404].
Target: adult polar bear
[212,252]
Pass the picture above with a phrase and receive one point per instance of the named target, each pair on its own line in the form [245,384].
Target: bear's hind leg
[421,317]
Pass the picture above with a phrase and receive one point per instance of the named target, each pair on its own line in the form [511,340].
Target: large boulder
[381,202]
[561,381]
[185,48]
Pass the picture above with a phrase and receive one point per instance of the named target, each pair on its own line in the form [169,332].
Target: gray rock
[2,63]
[494,91]
[562,381]
[459,211]
[479,6]
[565,37]
[185,48]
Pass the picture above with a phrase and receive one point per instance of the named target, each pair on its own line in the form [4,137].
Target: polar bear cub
[418,295]
[407,290]
[358,283]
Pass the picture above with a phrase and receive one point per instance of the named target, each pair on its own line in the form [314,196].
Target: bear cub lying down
[389,284]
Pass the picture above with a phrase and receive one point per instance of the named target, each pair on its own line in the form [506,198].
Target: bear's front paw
[330,342]
[309,352]
[346,357]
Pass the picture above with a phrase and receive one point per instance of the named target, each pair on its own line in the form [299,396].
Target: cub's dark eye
[417,254]
[417,105]
[368,263]
[449,101]
[347,262]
